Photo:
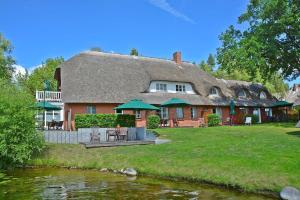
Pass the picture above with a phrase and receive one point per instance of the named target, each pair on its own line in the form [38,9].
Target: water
[49,183]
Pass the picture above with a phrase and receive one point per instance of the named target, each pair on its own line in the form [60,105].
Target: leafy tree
[134,52]
[270,43]
[18,137]
[96,49]
[6,60]
[211,61]
[36,79]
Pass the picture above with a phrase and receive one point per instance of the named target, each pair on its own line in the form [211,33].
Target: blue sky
[40,29]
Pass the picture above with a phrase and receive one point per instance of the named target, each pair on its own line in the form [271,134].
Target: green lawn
[261,157]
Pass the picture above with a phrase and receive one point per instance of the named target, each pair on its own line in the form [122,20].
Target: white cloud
[164,5]
[19,70]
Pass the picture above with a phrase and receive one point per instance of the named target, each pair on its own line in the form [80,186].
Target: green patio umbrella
[232,106]
[175,102]
[282,104]
[46,106]
[136,104]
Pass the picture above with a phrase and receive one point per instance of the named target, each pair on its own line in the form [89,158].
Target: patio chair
[51,125]
[248,121]
[175,123]
[95,138]
[111,132]
[163,123]
[122,134]
[59,125]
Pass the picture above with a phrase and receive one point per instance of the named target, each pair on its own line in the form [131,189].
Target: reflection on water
[86,184]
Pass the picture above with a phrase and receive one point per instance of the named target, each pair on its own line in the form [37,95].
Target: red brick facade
[187,121]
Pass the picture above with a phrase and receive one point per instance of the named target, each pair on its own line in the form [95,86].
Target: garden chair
[122,134]
[248,121]
[59,125]
[163,123]
[95,138]
[111,132]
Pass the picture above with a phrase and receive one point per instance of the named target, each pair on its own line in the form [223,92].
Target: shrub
[213,120]
[153,121]
[254,118]
[103,120]
[126,120]
[18,138]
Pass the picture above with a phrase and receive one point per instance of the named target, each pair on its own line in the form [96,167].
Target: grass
[255,158]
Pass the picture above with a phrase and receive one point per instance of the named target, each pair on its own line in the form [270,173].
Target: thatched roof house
[97,82]
[97,77]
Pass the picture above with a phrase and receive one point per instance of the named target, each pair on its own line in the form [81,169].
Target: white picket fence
[83,135]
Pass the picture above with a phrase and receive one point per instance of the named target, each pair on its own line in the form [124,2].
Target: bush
[153,121]
[126,120]
[254,118]
[213,120]
[103,120]
[18,138]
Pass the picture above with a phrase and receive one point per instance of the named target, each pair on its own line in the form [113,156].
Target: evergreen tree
[211,62]
[134,52]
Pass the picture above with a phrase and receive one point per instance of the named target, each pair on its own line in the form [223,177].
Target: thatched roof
[293,95]
[97,77]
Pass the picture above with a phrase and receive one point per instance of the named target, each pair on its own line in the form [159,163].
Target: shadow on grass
[294,133]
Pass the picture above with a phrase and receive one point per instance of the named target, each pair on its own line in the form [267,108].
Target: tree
[96,49]
[18,138]
[270,43]
[205,67]
[134,52]
[211,61]
[6,60]
[36,79]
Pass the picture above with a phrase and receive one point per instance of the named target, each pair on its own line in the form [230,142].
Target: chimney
[177,57]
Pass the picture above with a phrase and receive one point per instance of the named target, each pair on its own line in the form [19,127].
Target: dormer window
[161,87]
[242,94]
[171,87]
[214,91]
[262,95]
[180,88]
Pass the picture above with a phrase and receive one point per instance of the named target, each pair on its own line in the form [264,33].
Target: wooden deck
[120,143]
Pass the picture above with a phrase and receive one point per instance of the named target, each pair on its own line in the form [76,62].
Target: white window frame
[90,110]
[262,95]
[214,91]
[180,88]
[177,113]
[164,113]
[193,112]
[138,114]
[161,87]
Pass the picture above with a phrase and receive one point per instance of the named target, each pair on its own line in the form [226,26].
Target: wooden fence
[83,135]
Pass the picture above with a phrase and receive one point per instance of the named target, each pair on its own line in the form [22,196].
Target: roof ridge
[130,56]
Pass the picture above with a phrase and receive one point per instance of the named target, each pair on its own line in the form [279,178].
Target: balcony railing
[48,96]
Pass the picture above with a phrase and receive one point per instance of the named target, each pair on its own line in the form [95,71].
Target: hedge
[214,120]
[153,121]
[103,120]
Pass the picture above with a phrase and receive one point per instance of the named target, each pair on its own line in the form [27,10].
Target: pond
[52,183]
